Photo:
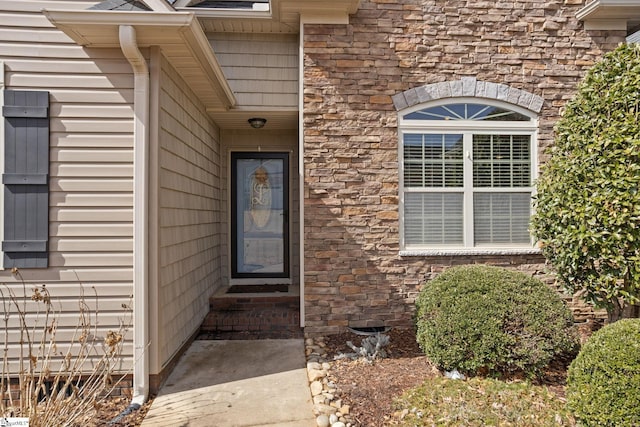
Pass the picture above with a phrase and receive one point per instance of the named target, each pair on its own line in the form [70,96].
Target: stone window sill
[468,252]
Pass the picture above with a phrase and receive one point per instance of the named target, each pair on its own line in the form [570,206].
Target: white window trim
[467,128]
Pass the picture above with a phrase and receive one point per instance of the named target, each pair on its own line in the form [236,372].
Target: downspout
[1,154]
[129,47]
[301,166]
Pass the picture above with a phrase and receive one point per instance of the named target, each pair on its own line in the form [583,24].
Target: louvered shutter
[25,179]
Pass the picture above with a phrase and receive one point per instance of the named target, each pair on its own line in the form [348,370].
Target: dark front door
[259,215]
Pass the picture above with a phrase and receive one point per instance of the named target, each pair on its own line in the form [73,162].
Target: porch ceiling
[178,34]
[238,118]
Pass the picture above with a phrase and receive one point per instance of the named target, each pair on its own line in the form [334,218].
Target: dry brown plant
[56,387]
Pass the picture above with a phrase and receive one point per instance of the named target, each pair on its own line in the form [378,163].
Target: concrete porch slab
[236,384]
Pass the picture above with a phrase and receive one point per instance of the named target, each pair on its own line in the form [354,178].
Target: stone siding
[354,275]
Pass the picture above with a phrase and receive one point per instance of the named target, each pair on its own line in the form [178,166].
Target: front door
[259,215]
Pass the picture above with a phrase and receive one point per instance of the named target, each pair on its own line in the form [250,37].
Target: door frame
[239,155]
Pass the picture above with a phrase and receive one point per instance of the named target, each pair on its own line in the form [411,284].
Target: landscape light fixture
[257,122]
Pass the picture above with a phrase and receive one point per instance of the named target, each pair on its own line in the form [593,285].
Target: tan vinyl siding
[91,163]
[188,214]
[262,69]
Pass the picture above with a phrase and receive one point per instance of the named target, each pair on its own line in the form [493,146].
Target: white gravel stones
[316,388]
[314,366]
[315,374]
[322,421]
[327,405]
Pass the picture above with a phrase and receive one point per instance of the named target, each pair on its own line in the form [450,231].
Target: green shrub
[603,384]
[488,320]
[588,194]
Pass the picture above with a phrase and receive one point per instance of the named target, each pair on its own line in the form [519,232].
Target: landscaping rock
[322,421]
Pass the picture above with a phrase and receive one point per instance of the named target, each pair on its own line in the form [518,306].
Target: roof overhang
[178,34]
[285,12]
[316,11]
[610,14]
[158,5]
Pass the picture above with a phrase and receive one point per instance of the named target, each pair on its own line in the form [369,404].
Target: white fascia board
[199,45]
[227,13]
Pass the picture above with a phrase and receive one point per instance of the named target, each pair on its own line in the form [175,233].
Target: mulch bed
[370,389]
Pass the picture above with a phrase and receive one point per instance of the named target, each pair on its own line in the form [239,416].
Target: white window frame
[468,128]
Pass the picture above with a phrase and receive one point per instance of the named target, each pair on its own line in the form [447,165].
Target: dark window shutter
[26,179]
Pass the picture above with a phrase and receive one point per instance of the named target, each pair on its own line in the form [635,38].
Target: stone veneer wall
[354,275]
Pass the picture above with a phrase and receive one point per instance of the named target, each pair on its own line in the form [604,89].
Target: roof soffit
[178,34]
[610,14]
[318,11]
[282,14]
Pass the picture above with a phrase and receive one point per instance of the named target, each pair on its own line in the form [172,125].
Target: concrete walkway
[236,384]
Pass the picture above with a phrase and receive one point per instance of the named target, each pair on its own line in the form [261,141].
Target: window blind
[433,219]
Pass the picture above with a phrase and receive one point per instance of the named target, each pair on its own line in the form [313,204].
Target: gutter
[129,46]
[2,87]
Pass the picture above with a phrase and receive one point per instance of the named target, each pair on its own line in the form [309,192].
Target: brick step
[240,302]
[252,317]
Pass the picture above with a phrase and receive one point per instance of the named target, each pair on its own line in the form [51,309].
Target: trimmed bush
[489,320]
[603,385]
[588,194]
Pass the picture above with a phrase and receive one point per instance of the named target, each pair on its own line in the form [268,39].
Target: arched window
[467,167]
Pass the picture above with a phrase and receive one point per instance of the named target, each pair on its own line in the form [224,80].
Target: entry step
[252,317]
